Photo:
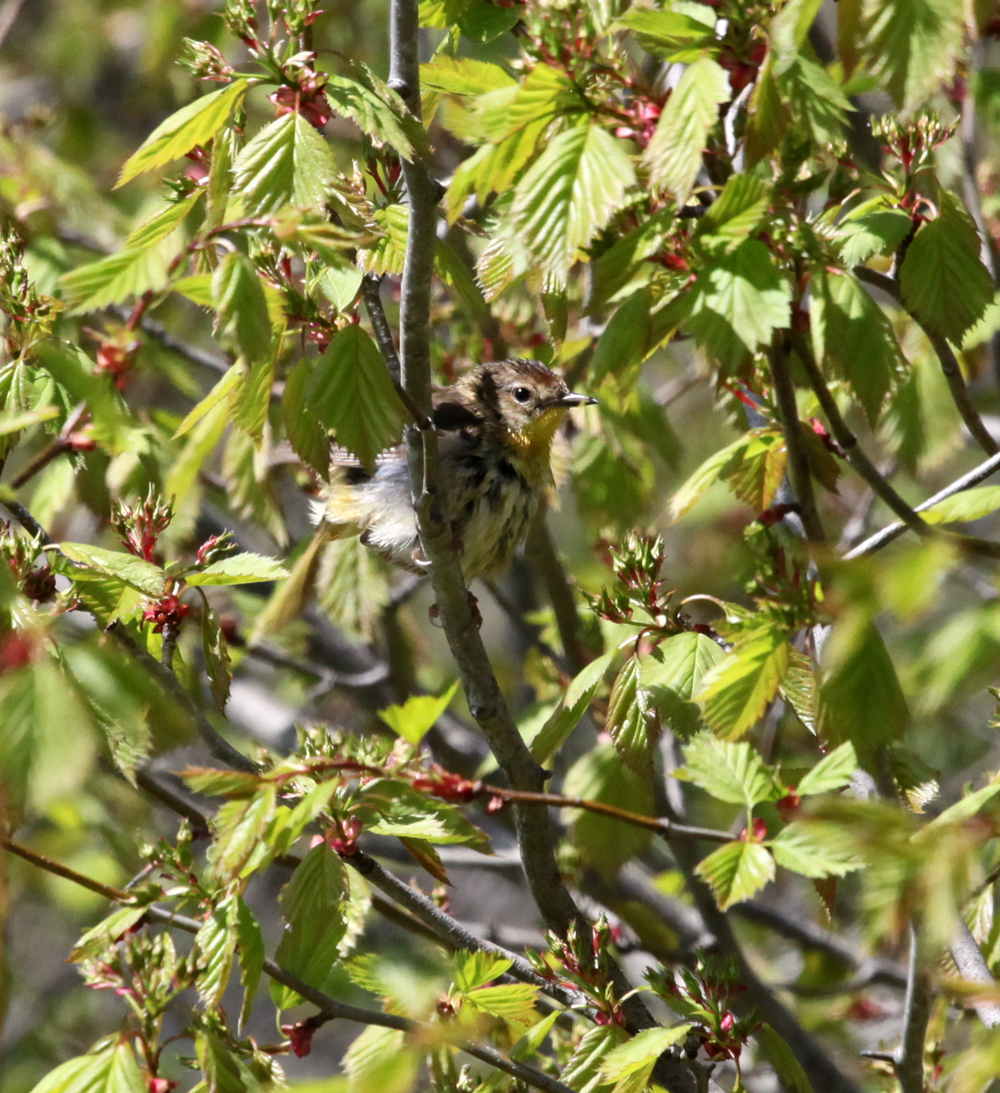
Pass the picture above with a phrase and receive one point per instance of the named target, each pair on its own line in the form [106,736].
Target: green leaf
[943,278]
[673,156]
[388,253]
[570,709]
[736,871]
[668,34]
[510,1002]
[251,951]
[735,213]
[238,298]
[216,653]
[221,783]
[112,1069]
[239,569]
[962,810]
[221,392]
[739,688]
[305,431]
[672,675]
[629,722]
[476,969]
[136,572]
[635,331]
[238,830]
[871,229]
[789,31]
[482,21]
[216,944]
[313,908]
[352,394]
[637,1057]
[784,1061]
[739,300]
[734,773]
[194,124]
[287,162]
[851,332]
[221,1067]
[860,697]
[98,937]
[418,714]
[377,110]
[756,469]
[569,193]
[403,811]
[816,849]
[710,472]
[833,771]
[964,507]
[615,267]
[462,76]
[600,775]
[114,279]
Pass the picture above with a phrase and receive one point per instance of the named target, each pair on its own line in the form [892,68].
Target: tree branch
[798,454]
[893,531]
[908,1060]
[559,589]
[371,294]
[946,355]
[972,966]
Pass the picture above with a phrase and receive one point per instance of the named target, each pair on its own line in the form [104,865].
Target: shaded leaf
[739,688]
[736,871]
[734,773]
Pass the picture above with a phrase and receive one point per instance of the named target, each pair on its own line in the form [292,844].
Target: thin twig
[559,589]
[971,964]
[893,531]
[372,296]
[849,442]
[65,872]
[798,454]
[946,355]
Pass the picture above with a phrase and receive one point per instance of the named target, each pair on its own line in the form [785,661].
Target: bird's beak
[571,399]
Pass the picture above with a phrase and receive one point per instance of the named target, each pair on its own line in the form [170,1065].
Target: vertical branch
[558,588]
[972,965]
[909,1058]
[798,454]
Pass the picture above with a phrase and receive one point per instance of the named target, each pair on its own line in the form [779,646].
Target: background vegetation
[748,653]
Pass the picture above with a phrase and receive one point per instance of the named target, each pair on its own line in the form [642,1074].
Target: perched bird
[495,428]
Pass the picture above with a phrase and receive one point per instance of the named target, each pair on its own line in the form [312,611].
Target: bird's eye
[522,394]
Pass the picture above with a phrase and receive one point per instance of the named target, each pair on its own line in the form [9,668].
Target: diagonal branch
[946,355]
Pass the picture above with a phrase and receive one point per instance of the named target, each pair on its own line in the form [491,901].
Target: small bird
[495,428]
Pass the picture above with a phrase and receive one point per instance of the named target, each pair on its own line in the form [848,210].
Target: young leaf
[513,1002]
[672,675]
[313,908]
[216,944]
[816,849]
[352,394]
[112,280]
[569,193]
[735,213]
[691,492]
[673,156]
[640,1053]
[736,871]
[287,162]
[756,469]
[216,653]
[739,299]
[137,572]
[194,124]
[406,812]
[943,278]
[964,507]
[251,951]
[832,772]
[734,773]
[239,569]
[476,969]
[629,722]
[238,298]
[571,708]
[738,689]
[415,717]
[238,829]
[670,35]
[112,1069]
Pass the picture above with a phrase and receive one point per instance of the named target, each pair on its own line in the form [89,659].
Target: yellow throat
[533,443]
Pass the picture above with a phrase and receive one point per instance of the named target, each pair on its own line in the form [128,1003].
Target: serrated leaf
[119,922]
[739,688]
[462,76]
[238,829]
[673,155]
[635,331]
[221,783]
[312,905]
[477,968]
[403,811]
[816,849]
[629,721]
[418,714]
[220,393]
[789,30]
[833,771]
[734,773]
[735,213]
[216,653]
[238,298]
[738,301]
[943,278]
[851,333]
[570,709]
[513,1002]
[583,1071]
[877,230]
[287,162]
[352,394]
[251,951]
[672,675]
[784,1061]
[860,697]
[756,470]
[667,34]
[377,110]
[137,572]
[569,193]
[114,279]
[112,1069]
[194,124]
[964,507]
[639,1054]
[219,1064]
[962,810]
[614,268]
[768,117]
[239,569]
[691,492]
[736,871]
[216,944]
